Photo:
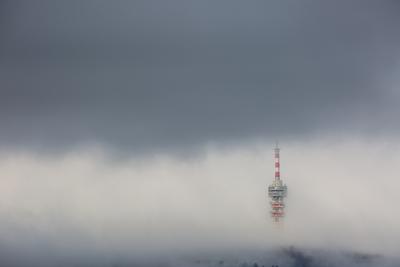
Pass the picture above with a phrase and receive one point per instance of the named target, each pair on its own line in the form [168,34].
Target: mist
[85,205]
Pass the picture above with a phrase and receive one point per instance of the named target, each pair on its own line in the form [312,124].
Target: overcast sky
[140,75]
[221,80]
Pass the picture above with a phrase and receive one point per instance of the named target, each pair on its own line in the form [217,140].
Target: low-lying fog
[86,205]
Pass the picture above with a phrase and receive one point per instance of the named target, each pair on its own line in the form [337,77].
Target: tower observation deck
[277,191]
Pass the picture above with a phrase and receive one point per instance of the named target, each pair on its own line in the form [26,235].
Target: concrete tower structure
[277,191]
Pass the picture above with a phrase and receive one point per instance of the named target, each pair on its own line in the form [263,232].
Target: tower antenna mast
[277,191]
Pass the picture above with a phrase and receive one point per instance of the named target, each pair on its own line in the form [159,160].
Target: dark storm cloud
[144,74]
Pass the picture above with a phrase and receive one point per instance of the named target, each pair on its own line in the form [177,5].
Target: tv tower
[277,191]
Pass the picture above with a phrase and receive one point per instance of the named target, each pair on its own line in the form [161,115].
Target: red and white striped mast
[277,191]
[277,163]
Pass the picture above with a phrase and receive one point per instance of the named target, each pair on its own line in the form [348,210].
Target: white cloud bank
[342,195]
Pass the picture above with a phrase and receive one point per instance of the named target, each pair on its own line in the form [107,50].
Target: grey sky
[143,74]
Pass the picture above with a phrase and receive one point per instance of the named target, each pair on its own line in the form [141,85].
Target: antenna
[277,163]
[277,191]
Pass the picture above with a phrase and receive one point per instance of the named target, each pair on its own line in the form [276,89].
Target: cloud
[84,207]
[164,76]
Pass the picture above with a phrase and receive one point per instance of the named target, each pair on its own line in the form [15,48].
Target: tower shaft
[277,164]
[277,191]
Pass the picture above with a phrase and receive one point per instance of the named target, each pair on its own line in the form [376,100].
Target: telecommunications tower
[277,191]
